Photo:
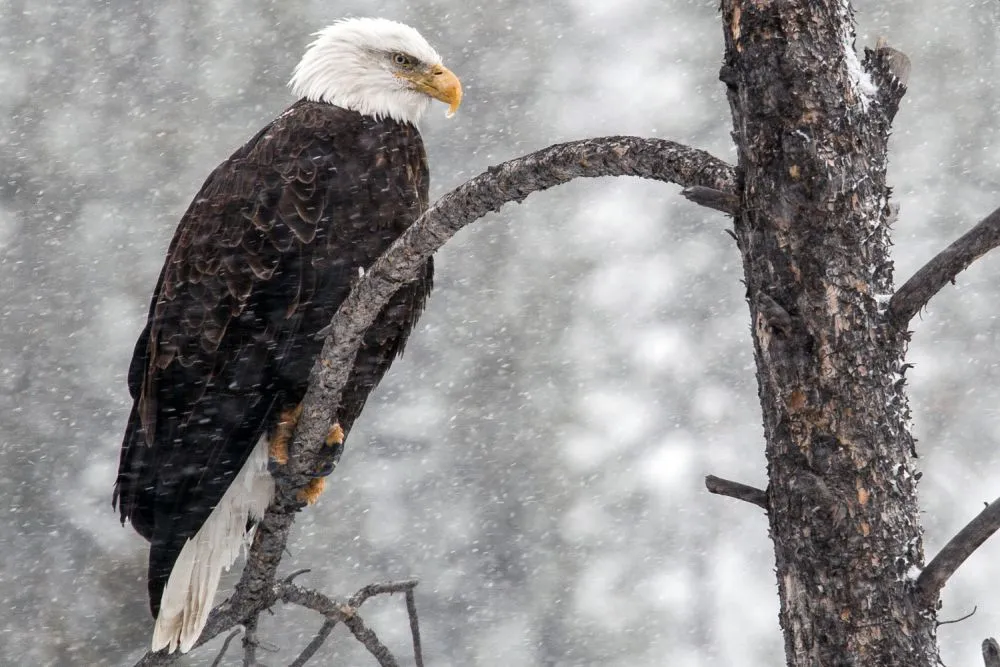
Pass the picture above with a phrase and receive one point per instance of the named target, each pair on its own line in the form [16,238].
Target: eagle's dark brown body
[258,266]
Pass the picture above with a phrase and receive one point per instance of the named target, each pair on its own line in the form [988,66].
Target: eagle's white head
[376,67]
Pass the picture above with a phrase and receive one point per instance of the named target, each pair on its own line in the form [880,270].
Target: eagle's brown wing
[260,262]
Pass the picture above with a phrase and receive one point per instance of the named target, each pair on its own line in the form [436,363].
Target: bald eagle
[258,265]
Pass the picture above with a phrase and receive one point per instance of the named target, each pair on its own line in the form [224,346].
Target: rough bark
[812,134]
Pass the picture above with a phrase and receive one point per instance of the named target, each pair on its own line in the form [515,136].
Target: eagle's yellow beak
[440,83]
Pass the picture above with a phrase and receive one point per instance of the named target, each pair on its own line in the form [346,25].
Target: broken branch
[727,202]
[744,492]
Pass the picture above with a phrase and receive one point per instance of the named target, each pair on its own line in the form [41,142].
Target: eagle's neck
[337,74]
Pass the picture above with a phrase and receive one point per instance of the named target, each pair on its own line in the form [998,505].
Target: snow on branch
[888,70]
[511,181]
[942,269]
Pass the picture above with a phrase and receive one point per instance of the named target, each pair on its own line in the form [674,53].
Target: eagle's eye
[401,59]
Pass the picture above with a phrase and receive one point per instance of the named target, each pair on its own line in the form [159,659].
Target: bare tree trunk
[812,130]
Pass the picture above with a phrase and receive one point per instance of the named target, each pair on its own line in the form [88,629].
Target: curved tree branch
[511,181]
[310,650]
[942,269]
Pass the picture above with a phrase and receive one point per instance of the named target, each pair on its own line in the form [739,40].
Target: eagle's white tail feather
[194,579]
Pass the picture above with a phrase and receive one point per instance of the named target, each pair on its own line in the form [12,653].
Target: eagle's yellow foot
[335,436]
[310,494]
[278,449]
[335,439]
[312,491]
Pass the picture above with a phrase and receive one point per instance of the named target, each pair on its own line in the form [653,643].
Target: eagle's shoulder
[264,201]
[314,179]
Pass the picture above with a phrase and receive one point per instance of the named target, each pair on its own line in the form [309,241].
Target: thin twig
[388,587]
[991,652]
[745,492]
[295,575]
[411,610]
[345,614]
[939,570]
[225,647]
[334,613]
[250,643]
[370,640]
[959,619]
[946,265]
[310,650]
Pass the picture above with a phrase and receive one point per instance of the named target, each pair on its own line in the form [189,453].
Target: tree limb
[310,650]
[346,614]
[959,548]
[353,602]
[250,643]
[225,647]
[991,652]
[411,611]
[389,587]
[935,274]
[725,487]
[511,181]
[960,618]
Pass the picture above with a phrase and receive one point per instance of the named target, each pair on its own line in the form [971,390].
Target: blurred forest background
[537,457]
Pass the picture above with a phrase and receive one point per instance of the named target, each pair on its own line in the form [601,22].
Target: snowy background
[537,457]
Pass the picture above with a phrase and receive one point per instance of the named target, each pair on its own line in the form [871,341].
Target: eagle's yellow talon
[335,436]
[312,491]
[279,452]
[278,448]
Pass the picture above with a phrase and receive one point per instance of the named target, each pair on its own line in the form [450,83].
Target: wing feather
[260,262]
